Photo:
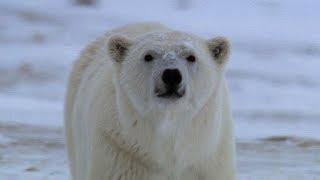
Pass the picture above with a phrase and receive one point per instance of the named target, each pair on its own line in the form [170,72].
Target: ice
[30,111]
[4,140]
[273,77]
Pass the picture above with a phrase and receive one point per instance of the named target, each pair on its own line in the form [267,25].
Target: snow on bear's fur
[126,119]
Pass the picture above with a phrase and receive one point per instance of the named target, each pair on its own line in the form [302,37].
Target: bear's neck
[167,147]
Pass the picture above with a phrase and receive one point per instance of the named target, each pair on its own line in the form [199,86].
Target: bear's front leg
[109,162]
[207,172]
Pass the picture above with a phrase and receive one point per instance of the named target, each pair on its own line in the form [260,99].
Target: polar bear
[145,102]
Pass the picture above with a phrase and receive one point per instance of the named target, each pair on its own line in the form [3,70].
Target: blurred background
[273,75]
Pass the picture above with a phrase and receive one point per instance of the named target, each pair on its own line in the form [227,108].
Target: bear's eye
[148,58]
[191,58]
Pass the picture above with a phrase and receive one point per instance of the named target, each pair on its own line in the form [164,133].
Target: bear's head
[168,71]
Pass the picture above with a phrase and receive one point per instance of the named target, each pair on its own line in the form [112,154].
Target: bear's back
[132,31]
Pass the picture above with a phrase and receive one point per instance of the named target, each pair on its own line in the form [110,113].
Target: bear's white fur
[116,126]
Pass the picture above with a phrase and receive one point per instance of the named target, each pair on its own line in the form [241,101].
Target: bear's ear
[219,48]
[118,47]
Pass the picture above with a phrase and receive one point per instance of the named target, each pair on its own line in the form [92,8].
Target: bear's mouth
[171,93]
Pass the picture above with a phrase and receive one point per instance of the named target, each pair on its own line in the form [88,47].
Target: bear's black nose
[171,77]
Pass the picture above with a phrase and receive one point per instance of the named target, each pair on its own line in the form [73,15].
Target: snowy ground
[273,75]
